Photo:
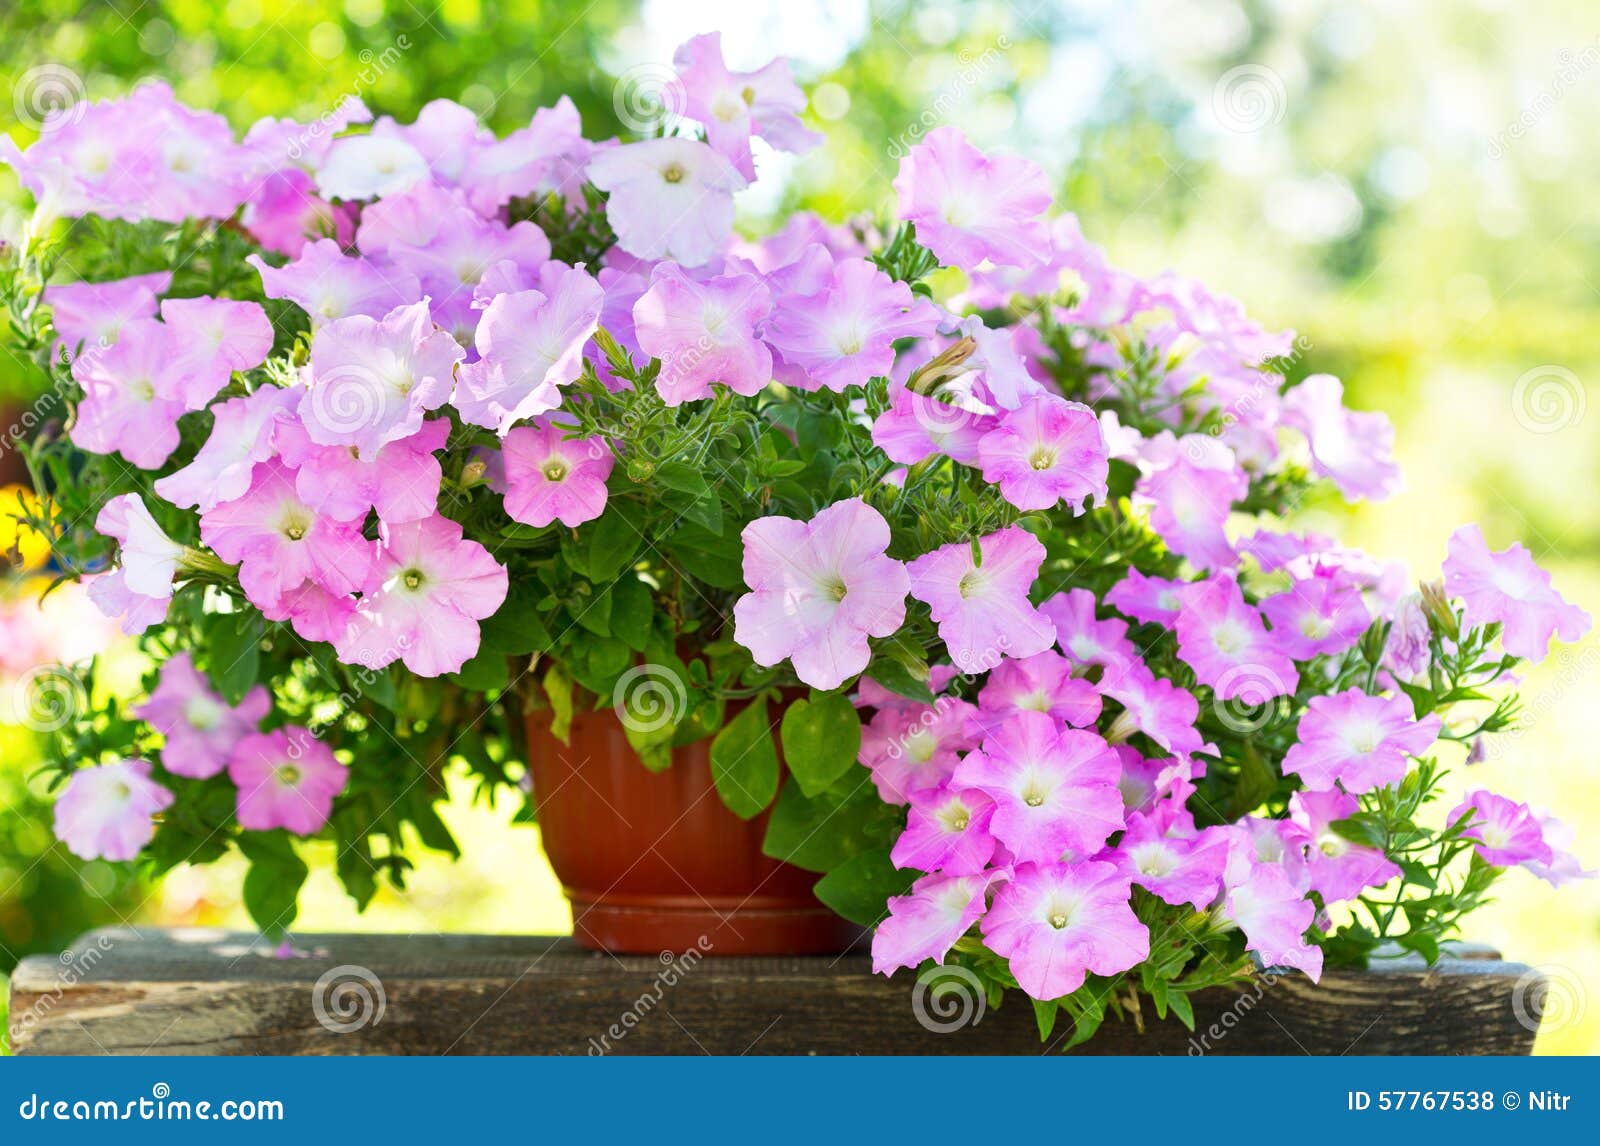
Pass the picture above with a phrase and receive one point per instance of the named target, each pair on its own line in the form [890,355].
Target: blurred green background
[1411,186]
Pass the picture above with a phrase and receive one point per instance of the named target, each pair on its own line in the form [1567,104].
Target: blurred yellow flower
[18,540]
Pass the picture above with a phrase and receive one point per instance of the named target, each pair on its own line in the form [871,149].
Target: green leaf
[820,833]
[1045,1015]
[485,672]
[901,679]
[859,888]
[272,885]
[1179,1002]
[517,628]
[558,690]
[232,651]
[593,613]
[632,607]
[614,538]
[1363,828]
[744,761]
[682,477]
[821,740]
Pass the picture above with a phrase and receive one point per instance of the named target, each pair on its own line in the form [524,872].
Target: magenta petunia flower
[1358,741]
[926,924]
[401,481]
[315,613]
[1156,707]
[841,331]
[1055,789]
[285,214]
[947,830]
[1317,616]
[373,380]
[916,426]
[911,748]
[243,432]
[550,477]
[703,332]
[818,590]
[1046,451]
[1355,450]
[982,610]
[131,395]
[1271,910]
[215,337]
[1506,833]
[1040,683]
[200,727]
[1153,600]
[108,812]
[530,344]
[733,106]
[92,315]
[1176,869]
[1336,867]
[1145,782]
[278,541]
[669,198]
[329,285]
[1190,502]
[1222,638]
[1510,588]
[287,778]
[1083,637]
[1056,923]
[969,207]
[428,590]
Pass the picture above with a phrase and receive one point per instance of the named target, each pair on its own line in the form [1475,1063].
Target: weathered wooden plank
[120,991]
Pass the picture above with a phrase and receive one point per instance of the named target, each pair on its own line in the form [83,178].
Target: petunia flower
[1510,588]
[1505,832]
[1046,451]
[242,434]
[1190,502]
[669,198]
[401,481]
[539,158]
[1055,789]
[947,830]
[982,610]
[926,924]
[1176,869]
[1156,707]
[1040,683]
[917,426]
[329,285]
[1273,913]
[215,337]
[107,812]
[287,778]
[1355,450]
[550,477]
[1153,600]
[372,380]
[1317,616]
[913,748]
[284,213]
[147,557]
[92,315]
[734,106]
[1222,638]
[1336,867]
[703,332]
[428,590]
[969,207]
[200,727]
[1563,866]
[1358,741]
[1409,651]
[1084,637]
[818,590]
[131,395]
[1057,923]
[359,167]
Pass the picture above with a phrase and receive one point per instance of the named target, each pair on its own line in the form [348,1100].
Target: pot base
[709,927]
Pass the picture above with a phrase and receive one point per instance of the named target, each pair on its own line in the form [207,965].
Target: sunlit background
[1410,185]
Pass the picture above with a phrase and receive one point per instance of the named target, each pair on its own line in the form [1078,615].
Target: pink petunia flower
[1040,683]
[1409,649]
[818,590]
[401,481]
[1358,741]
[285,213]
[200,727]
[1563,866]
[1190,502]
[969,207]
[917,426]
[1222,638]
[1153,600]
[734,106]
[243,432]
[1083,637]
[91,315]
[669,198]
[1271,910]
[947,830]
[550,477]
[911,749]
[1336,867]
[428,590]
[147,557]
[703,332]
[1055,789]
[1046,451]
[1317,616]
[328,285]
[547,156]
[982,610]
[1156,707]
[131,395]
[1510,588]
[108,812]
[1056,923]
[1506,833]
[1176,869]
[926,924]
[215,337]
[373,380]
[1355,450]
[287,778]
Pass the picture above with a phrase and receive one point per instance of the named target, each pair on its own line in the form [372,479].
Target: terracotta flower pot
[654,862]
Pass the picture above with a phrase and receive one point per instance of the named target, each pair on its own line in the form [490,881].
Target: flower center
[143,389]
[1042,458]
[287,775]
[834,588]
[673,173]
[1230,638]
[955,817]
[971,585]
[412,578]
[202,713]
[555,469]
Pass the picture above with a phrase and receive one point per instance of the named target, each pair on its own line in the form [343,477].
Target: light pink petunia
[1221,637]
[284,213]
[92,315]
[329,285]
[214,338]
[733,106]
[530,344]
[1046,451]
[703,332]
[1358,741]
[982,610]
[969,207]
[669,198]
[108,812]
[1563,866]
[911,748]
[1409,649]
[201,728]
[1040,683]
[1317,616]
[1057,923]
[1355,450]
[1270,909]
[1190,501]
[401,481]
[537,159]
[1505,833]
[917,426]
[1055,789]
[287,778]
[1336,867]
[428,590]
[242,434]
[373,380]
[147,557]
[1153,600]
[1156,707]
[1084,637]
[131,395]
[1510,588]
[1176,869]
[947,830]
[818,590]
[926,924]
[550,477]
[359,167]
